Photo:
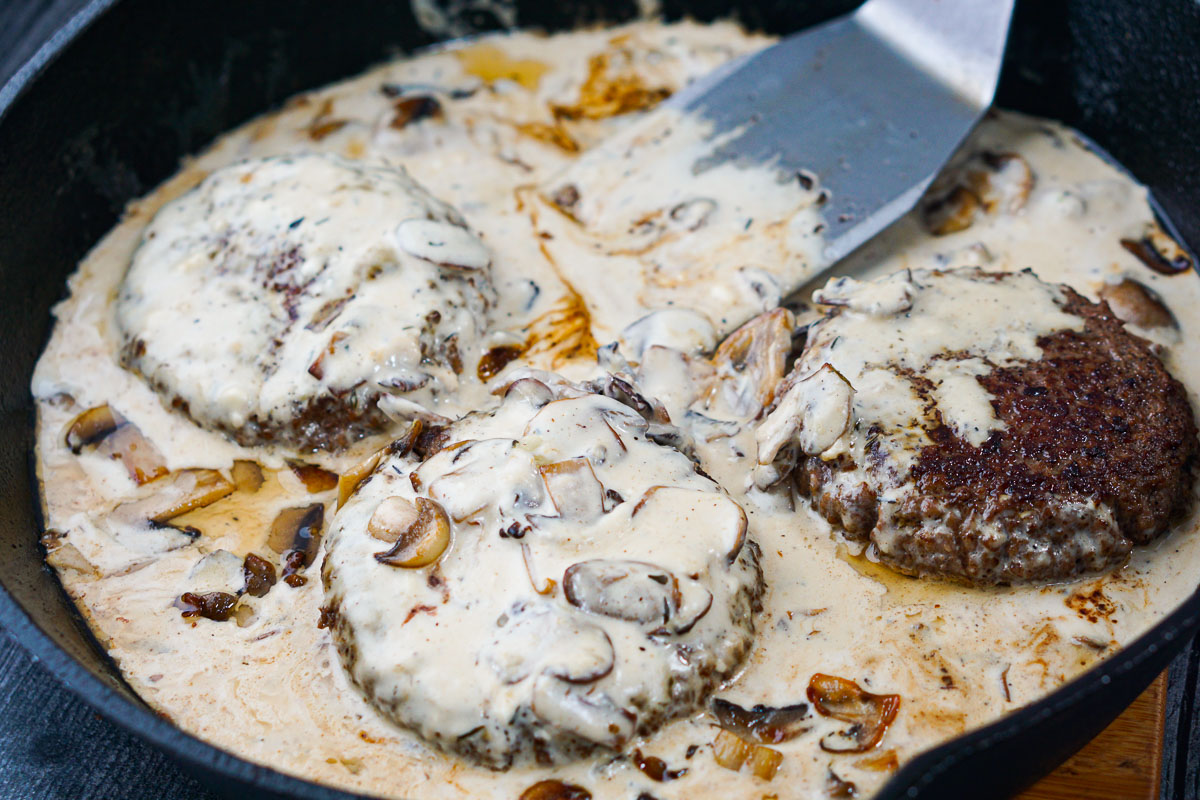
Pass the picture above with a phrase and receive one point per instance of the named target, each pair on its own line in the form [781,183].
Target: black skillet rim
[920,774]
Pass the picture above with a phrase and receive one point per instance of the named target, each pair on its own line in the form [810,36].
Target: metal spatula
[873,103]
[864,110]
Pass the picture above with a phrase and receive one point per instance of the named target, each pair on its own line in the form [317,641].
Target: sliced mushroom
[258,575]
[882,298]
[117,438]
[574,489]
[137,454]
[1132,302]
[473,487]
[533,391]
[91,426]
[1158,251]
[952,212]
[422,542]
[693,214]
[392,518]
[677,328]
[349,481]
[443,243]
[672,508]
[218,571]
[869,714]
[813,412]
[624,393]
[317,367]
[749,364]
[636,592]
[762,724]
[414,108]
[65,555]
[540,640]
[987,183]
[174,495]
[1003,184]
[554,789]
[314,478]
[247,476]
[588,714]
[297,531]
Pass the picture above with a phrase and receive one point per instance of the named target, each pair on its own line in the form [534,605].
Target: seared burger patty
[547,583]
[302,299]
[1090,449]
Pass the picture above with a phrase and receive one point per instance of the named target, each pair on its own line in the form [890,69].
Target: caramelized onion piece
[259,574]
[495,360]
[424,540]
[217,606]
[655,768]
[554,789]
[759,723]
[91,426]
[838,787]
[869,714]
[730,750]
[887,761]
[764,762]
[247,476]
[314,478]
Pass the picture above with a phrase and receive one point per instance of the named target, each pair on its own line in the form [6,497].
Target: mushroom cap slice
[663,509]
[636,591]
[539,640]
[423,541]
[814,412]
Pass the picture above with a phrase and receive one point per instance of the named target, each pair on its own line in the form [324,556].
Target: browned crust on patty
[1098,419]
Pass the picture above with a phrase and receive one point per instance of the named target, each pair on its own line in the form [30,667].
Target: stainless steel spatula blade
[871,104]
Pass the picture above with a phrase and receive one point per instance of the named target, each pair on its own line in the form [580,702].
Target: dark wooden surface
[53,746]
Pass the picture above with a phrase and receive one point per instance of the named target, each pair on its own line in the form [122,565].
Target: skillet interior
[81,139]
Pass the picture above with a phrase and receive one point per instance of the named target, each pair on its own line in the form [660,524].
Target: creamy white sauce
[950,328]
[595,583]
[272,690]
[282,282]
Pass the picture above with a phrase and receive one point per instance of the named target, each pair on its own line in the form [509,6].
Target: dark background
[53,745]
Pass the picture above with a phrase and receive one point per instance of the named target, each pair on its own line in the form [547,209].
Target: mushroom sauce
[197,558]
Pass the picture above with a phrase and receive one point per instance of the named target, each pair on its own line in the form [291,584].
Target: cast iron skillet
[105,111]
